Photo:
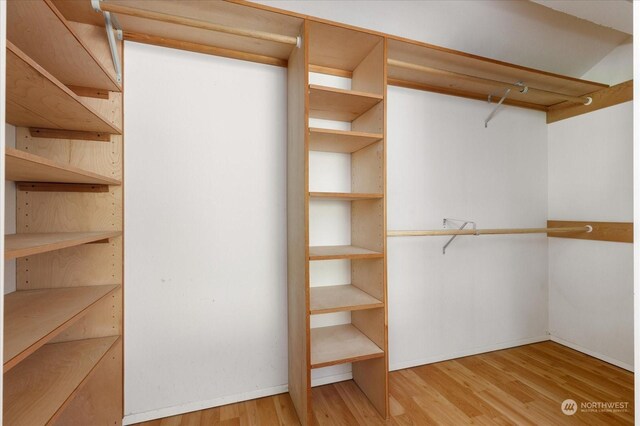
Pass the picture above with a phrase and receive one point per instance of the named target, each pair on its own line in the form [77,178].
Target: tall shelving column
[360,56]
[63,351]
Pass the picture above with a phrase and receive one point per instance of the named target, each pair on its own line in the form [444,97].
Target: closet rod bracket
[113,27]
[445,222]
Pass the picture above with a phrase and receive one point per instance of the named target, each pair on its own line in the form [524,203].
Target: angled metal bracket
[112,26]
[524,89]
[446,221]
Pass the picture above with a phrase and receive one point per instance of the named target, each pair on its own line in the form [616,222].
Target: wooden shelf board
[342,252]
[34,317]
[338,104]
[39,29]
[22,166]
[37,99]
[346,141]
[343,196]
[337,298]
[340,344]
[19,245]
[36,388]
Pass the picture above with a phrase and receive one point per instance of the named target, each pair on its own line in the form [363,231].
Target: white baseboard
[469,352]
[202,405]
[594,354]
[331,379]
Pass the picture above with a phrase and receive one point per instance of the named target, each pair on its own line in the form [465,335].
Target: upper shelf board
[332,46]
[345,141]
[338,104]
[19,245]
[22,166]
[43,33]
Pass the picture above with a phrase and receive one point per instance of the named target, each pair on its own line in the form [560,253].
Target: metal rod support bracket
[445,221]
[113,27]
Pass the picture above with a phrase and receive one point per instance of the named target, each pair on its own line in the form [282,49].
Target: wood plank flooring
[517,386]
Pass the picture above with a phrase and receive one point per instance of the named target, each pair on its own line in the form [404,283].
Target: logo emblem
[569,407]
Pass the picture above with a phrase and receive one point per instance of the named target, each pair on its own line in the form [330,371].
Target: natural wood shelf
[19,245]
[340,344]
[338,104]
[344,196]
[22,166]
[37,99]
[36,388]
[342,252]
[337,298]
[34,317]
[329,140]
[39,29]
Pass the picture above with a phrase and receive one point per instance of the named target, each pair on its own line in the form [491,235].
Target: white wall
[9,213]
[591,282]
[205,259]
[616,67]
[486,292]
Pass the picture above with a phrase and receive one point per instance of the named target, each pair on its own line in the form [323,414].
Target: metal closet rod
[439,232]
[195,23]
[586,100]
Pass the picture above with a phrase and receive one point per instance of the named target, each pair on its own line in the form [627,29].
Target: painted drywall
[487,292]
[205,262]
[616,67]
[520,32]
[9,213]
[591,282]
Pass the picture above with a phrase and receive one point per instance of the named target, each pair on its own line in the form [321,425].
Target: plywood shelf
[19,245]
[40,31]
[340,344]
[34,317]
[22,166]
[337,298]
[37,99]
[37,387]
[344,196]
[338,104]
[329,140]
[342,252]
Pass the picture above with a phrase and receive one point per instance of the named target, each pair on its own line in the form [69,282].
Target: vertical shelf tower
[63,356]
[362,57]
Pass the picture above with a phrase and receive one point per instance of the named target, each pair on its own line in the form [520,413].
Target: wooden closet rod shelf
[34,317]
[501,84]
[441,232]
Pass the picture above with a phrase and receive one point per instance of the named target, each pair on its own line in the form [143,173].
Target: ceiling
[517,31]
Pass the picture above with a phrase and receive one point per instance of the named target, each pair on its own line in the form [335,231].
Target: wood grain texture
[38,28]
[36,388]
[69,134]
[60,187]
[19,245]
[602,98]
[338,104]
[523,385]
[337,298]
[340,344]
[344,196]
[22,166]
[32,318]
[299,372]
[329,140]
[37,99]
[621,232]
[341,252]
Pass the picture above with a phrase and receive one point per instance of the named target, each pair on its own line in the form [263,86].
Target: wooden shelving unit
[36,389]
[37,99]
[329,140]
[63,325]
[363,342]
[338,298]
[34,317]
[330,103]
[340,344]
[20,245]
[25,167]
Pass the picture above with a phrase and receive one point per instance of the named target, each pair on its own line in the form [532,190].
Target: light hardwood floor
[517,386]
